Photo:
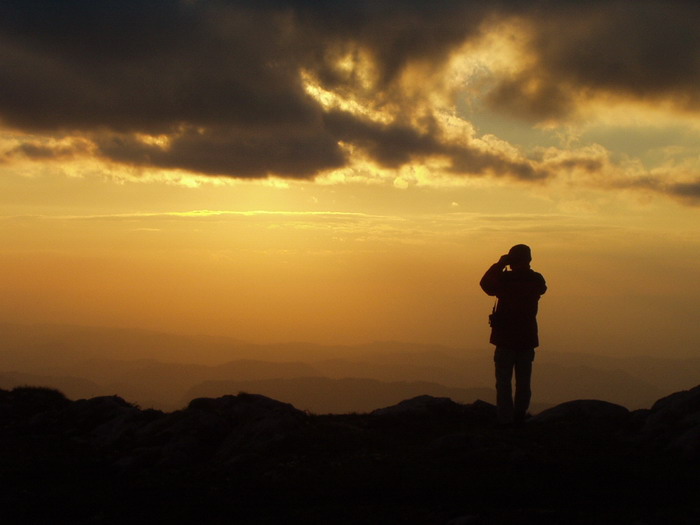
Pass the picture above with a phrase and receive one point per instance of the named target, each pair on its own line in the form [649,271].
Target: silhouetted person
[514,329]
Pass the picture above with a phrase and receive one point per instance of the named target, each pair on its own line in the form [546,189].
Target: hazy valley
[166,371]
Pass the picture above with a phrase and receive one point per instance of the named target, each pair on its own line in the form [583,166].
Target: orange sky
[341,183]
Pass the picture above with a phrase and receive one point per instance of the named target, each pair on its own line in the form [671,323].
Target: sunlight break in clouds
[315,86]
[338,171]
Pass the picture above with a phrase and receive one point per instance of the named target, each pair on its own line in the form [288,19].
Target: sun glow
[160,141]
[346,102]
[352,182]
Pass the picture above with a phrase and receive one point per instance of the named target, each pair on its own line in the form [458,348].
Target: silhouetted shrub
[25,401]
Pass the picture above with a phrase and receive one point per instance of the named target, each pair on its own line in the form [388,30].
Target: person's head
[519,256]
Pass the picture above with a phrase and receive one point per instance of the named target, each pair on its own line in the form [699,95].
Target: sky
[345,171]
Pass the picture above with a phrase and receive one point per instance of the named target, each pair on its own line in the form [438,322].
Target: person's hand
[504,260]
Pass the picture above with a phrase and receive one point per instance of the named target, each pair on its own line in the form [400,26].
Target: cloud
[46,150]
[644,50]
[218,86]
[224,150]
[220,79]
[273,217]
[395,145]
[683,189]
[686,190]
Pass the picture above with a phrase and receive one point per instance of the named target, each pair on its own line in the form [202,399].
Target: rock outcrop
[250,459]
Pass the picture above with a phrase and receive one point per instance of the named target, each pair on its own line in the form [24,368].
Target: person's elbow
[488,290]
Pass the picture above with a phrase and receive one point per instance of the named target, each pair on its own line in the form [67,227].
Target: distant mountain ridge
[158,370]
[323,395]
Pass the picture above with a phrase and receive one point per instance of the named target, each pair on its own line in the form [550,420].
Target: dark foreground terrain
[250,459]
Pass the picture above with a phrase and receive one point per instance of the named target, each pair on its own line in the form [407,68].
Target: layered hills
[166,371]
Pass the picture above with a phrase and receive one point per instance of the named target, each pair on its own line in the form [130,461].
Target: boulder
[214,429]
[683,402]
[27,401]
[584,411]
[420,405]
[674,424]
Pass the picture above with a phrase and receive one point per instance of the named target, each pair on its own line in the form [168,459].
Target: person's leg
[504,359]
[523,375]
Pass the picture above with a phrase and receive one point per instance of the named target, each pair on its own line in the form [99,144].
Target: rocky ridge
[247,458]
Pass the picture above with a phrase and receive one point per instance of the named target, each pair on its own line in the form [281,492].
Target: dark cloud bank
[222,78]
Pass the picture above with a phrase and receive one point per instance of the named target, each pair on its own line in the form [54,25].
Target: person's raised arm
[491,281]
